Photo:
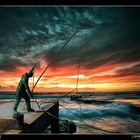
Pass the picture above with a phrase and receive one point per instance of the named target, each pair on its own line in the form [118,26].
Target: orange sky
[108,77]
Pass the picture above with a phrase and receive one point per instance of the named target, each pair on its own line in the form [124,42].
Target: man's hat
[31,71]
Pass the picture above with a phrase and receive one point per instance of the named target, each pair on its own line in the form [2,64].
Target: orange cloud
[108,77]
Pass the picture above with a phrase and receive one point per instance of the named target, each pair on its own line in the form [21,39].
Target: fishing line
[81,125]
[77,83]
[51,63]
[87,125]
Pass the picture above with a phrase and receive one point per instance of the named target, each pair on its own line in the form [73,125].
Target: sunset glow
[106,78]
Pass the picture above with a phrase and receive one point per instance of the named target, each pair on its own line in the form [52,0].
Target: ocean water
[119,116]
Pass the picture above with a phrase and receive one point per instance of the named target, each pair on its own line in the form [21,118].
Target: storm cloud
[105,35]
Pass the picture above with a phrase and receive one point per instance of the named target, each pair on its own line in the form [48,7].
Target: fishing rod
[50,63]
[62,47]
[57,53]
[53,59]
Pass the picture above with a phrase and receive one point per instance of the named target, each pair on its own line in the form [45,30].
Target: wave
[113,109]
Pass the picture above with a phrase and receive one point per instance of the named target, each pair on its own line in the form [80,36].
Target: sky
[105,48]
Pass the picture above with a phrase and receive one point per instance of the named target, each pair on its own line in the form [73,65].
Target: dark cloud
[9,64]
[116,44]
[108,34]
[135,70]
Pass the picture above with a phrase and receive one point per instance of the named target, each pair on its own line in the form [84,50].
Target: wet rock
[67,127]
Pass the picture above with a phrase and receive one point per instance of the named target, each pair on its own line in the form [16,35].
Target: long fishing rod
[55,58]
[64,45]
[51,63]
[56,55]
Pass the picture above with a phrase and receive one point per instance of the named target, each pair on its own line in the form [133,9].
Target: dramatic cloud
[106,34]
[107,37]
[135,70]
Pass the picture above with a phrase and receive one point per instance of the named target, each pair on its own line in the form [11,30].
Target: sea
[118,114]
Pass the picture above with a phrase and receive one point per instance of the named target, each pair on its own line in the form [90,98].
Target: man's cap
[31,71]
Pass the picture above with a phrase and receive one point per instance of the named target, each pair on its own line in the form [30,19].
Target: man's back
[22,84]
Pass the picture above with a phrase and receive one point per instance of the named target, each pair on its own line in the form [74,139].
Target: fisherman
[23,91]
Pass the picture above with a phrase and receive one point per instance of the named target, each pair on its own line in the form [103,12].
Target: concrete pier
[34,122]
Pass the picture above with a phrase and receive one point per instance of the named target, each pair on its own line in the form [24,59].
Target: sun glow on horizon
[65,80]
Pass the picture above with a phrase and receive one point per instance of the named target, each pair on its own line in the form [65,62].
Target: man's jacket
[23,87]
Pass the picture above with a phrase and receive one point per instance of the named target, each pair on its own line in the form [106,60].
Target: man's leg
[28,104]
[18,99]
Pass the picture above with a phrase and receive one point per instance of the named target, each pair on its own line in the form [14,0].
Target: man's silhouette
[23,91]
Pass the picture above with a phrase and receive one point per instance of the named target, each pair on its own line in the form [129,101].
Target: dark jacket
[23,87]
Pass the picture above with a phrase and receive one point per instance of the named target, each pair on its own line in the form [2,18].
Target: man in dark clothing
[23,91]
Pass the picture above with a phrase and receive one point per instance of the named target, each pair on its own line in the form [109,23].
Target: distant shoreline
[61,93]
